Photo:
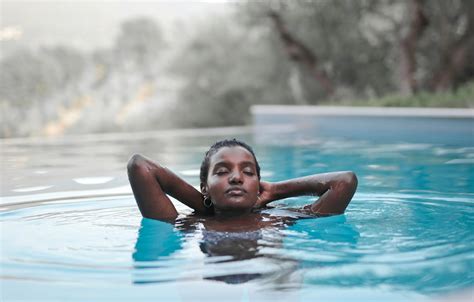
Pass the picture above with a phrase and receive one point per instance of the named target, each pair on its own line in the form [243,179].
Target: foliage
[226,69]
[463,97]
[234,61]
[231,64]
[63,89]
[139,43]
[28,76]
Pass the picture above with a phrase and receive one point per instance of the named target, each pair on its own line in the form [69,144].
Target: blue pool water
[70,228]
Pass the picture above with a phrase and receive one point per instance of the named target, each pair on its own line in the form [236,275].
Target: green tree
[379,46]
[226,68]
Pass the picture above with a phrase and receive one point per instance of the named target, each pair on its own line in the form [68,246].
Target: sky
[88,25]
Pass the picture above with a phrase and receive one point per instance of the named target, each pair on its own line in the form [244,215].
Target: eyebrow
[226,163]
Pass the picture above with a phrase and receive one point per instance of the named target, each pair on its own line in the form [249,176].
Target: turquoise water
[71,230]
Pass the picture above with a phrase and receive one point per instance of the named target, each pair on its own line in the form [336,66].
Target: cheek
[214,185]
[254,186]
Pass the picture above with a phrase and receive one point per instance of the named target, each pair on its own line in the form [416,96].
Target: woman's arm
[335,190]
[151,182]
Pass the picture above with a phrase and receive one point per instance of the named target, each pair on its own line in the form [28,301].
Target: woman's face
[232,181]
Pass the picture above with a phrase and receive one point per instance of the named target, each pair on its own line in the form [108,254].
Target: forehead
[231,154]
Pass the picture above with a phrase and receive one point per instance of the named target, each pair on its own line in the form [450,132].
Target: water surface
[71,229]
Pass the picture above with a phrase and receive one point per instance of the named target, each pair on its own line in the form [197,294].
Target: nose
[235,178]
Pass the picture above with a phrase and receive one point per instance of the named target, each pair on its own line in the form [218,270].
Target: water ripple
[423,237]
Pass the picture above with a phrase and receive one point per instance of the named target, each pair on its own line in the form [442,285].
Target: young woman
[232,193]
[230,214]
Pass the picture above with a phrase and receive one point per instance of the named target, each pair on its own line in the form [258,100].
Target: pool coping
[301,110]
[362,111]
[129,135]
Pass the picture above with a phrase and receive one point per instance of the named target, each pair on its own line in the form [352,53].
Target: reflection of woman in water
[232,204]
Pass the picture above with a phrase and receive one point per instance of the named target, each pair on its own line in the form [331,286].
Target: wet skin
[234,189]
[232,183]
[237,195]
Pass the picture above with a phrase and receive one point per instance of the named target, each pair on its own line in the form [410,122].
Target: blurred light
[10,33]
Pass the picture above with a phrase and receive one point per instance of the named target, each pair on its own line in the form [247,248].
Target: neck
[232,213]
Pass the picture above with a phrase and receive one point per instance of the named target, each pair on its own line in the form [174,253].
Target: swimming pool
[71,229]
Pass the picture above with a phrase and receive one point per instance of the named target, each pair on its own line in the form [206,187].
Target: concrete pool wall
[380,124]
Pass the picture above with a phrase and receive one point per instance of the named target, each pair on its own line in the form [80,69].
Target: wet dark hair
[216,147]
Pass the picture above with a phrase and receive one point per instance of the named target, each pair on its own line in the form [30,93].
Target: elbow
[350,182]
[346,189]
[139,165]
[134,163]
[335,201]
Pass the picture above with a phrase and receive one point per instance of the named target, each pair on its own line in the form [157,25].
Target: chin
[238,204]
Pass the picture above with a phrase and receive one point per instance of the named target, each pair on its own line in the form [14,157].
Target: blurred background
[73,66]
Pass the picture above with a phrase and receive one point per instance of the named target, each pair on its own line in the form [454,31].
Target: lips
[235,191]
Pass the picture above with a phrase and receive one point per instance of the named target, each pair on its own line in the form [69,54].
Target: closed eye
[221,172]
[249,172]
